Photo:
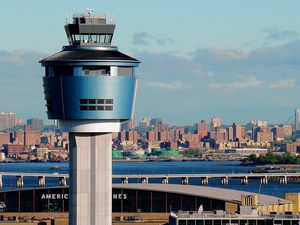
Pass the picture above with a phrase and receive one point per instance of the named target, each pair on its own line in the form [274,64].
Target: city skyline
[228,62]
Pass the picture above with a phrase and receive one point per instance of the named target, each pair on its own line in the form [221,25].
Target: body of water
[273,188]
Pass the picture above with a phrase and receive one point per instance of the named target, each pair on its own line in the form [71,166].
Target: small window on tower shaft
[100,101]
[92,101]
[83,101]
[109,101]
[108,108]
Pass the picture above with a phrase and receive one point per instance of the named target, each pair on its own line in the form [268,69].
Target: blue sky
[236,59]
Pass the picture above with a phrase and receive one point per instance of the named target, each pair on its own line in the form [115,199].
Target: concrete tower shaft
[90,88]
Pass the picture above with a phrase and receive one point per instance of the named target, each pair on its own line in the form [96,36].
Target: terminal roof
[201,191]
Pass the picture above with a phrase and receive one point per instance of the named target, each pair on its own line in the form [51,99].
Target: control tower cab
[90,86]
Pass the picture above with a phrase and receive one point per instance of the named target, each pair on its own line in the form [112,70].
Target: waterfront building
[27,137]
[7,120]
[247,151]
[90,89]
[12,150]
[4,138]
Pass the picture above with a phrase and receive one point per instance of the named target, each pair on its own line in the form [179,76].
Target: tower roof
[81,55]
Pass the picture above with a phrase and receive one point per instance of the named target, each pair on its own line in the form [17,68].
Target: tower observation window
[96,70]
[63,71]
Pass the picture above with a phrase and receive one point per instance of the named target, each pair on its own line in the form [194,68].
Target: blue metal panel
[65,93]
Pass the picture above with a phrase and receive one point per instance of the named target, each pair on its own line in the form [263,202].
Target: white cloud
[283,84]
[251,82]
[176,85]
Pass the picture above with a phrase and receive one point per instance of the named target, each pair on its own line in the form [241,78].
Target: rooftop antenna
[89,11]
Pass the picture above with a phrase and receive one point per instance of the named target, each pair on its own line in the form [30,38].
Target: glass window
[234,221]
[144,201]
[92,108]
[208,222]
[100,101]
[108,108]
[251,222]
[226,222]
[261,222]
[158,201]
[109,101]
[217,222]
[116,202]
[83,101]
[12,200]
[100,108]
[243,222]
[41,204]
[26,203]
[83,107]
[174,203]
[63,70]
[199,222]
[129,204]
[182,222]
[92,101]
[188,203]
[191,222]
[125,71]
[96,70]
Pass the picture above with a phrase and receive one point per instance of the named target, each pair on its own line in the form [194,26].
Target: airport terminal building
[145,198]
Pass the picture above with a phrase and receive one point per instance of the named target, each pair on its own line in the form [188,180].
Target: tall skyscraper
[7,120]
[297,119]
[90,88]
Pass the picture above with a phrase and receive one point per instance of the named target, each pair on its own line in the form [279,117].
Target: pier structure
[245,178]
[90,89]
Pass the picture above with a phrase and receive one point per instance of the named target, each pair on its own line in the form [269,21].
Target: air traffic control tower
[90,89]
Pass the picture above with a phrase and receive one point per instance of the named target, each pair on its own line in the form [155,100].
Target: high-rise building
[7,120]
[237,131]
[202,128]
[297,119]
[90,89]
[216,122]
[288,130]
[35,123]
